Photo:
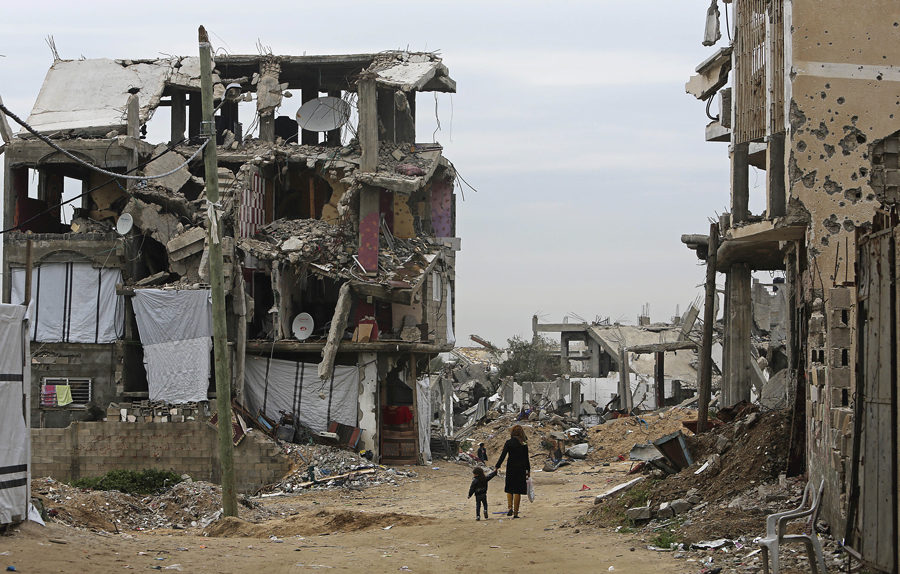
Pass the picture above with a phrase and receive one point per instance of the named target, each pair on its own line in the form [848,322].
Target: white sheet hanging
[175,329]
[275,385]
[74,303]
[15,446]
[172,315]
[178,371]
[423,411]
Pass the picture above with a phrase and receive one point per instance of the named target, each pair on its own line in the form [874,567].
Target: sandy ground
[425,525]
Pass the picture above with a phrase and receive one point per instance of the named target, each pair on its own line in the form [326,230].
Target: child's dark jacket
[479,488]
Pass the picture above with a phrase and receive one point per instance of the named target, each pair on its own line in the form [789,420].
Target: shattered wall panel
[441,208]
[89,95]
[252,213]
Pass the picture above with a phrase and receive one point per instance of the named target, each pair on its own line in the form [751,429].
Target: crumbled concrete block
[638,513]
[680,505]
[665,511]
[188,243]
[722,444]
[751,419]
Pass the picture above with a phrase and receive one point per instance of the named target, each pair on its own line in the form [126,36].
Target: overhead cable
[50,142]
[95,188]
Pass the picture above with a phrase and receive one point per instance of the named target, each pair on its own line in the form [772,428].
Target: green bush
[665,539]
[145,481]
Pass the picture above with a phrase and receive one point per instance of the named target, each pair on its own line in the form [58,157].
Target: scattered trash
[710,544]
[584,487]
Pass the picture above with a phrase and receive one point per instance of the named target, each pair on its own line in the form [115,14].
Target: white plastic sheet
[73,303]
[423,410]
[175,329]
[275,386]
[178,371]
[15,439]
[172,315]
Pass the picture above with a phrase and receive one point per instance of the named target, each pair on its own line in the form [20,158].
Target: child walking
[479,489]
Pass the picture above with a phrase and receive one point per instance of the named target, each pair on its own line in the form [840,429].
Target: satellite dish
[302,327]
[125,223]
[323,114]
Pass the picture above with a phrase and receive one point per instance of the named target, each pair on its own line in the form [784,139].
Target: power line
[116,177]
[50,143]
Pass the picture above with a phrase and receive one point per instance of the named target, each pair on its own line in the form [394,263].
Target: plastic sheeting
[73,303]
[178,371]
[274,386]
[170,315]
[423,411]
[15,438]
[175,328]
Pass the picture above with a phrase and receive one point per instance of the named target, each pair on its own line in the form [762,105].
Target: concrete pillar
[660,379]
[333,138]
[368,387]
[775,185]
[194,115]
[368,122]
[595,367]
[309,92]
[179,116]
[740,182]
[564,339]
[369,227]
[736,362]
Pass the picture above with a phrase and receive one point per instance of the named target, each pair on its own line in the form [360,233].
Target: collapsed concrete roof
[89,97]
[677,366]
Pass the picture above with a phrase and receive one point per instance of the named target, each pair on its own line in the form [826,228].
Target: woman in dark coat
[518,468]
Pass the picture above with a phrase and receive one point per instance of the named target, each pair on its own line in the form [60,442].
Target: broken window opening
[38,195]
[319,299]
[302,196]
[158,127]
[259,286]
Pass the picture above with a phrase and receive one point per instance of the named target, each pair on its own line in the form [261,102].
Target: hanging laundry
[63,395]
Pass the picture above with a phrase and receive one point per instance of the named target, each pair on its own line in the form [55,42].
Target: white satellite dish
[125,223]
[323,114]
[302,327]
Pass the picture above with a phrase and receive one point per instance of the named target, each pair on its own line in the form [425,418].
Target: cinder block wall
[94,448]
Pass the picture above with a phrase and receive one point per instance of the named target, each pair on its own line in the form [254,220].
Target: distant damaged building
[339,240]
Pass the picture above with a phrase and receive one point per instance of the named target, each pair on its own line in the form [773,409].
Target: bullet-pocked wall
[843,97]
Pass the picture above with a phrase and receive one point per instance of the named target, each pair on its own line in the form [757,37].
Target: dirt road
[424,525]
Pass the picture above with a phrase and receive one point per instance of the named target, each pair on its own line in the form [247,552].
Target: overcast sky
[570,120]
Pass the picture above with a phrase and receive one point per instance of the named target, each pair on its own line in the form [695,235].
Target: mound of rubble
[188,504]
[321,467]
[710,512]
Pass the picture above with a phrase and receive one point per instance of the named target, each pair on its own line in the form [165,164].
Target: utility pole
[217,283]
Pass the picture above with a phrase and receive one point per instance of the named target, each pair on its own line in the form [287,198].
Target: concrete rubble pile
[323,467]
[188,504]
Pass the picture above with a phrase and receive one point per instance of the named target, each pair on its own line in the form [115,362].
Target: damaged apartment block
[802,97]
[339,241]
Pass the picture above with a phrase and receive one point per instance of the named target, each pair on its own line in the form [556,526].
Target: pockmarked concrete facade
[809,92]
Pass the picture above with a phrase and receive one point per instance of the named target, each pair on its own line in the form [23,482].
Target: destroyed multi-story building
[347,225]
[809,92]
